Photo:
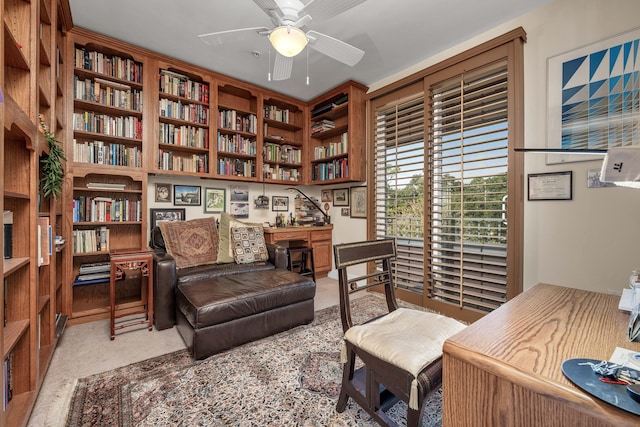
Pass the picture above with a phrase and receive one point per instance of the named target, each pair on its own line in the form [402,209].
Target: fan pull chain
[269,63]
[307,66]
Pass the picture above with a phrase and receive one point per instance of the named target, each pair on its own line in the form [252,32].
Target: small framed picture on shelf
[163,193]
[160,215]
[358,202]
[186,195]
[326,196]
[215,200]
[341,197]
[279,203]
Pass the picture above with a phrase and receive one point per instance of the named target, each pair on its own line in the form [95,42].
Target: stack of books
[99,272]
[322,125]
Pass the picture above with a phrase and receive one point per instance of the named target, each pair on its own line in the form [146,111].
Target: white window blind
[467,189]
[399,181]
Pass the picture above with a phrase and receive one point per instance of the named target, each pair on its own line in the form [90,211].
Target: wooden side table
[129,260]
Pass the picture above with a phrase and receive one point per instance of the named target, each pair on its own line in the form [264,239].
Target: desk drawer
[289,235]
[321,235]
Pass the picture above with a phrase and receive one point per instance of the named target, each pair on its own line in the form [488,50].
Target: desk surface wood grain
[523,344]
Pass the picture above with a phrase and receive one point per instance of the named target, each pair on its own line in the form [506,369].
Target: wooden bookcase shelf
[282,140]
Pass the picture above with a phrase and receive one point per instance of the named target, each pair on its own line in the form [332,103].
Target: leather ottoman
[217,313]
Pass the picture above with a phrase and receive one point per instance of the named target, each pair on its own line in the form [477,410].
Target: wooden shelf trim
[13,331]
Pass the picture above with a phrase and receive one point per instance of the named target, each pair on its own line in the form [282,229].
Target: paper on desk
[626,300]
[623,356]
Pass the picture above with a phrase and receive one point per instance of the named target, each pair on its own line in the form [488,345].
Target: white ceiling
[394,35]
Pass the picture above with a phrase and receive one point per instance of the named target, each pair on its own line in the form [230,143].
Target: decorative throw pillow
[248,244]
[193,242]
[225,251]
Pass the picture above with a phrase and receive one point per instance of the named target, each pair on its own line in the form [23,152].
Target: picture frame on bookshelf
[215,200]
[341,197]
[160,215]
[187,195]
[358,197]
[163,193]
[279,203]
[326,196]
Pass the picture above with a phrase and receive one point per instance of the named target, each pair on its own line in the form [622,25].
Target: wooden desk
[129,260]
[505,369]
[319,238]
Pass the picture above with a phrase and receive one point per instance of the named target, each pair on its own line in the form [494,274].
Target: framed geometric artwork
[593,97]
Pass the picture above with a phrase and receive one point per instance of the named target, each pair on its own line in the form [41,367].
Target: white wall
[593,241]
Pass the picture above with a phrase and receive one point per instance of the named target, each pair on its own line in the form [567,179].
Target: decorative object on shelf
[550,186]
[341,197]
[279,203]
[262,201]
[159,215]
[52,170]
[163,193]
[327,218]
[186,195]
[358,202]
[215,200]
[288,39]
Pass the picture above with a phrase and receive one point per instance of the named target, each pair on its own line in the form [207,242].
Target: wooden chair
[401,350]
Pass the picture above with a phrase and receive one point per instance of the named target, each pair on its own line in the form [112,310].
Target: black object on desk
[579,372]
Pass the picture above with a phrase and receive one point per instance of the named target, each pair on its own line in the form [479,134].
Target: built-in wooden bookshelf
[337,135]
[183,122]
[282,140]
[237,133]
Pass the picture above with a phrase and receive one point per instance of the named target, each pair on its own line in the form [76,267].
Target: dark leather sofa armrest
[278,256]
[164,288]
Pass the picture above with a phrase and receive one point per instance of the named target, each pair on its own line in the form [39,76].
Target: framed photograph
[587,93]
[550,186]
[345,211]
[186,195]
[163,193]
[279,203]
[341,197]
[593,179]
[239,209]
[239,193]
[358,196]
[215,200]
[327,196]
[160,215]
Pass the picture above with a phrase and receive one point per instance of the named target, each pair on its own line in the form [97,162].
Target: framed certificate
[551,186]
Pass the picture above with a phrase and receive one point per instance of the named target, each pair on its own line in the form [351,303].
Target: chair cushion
[406,338]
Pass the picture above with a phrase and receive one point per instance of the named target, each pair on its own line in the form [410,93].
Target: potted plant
[52,171]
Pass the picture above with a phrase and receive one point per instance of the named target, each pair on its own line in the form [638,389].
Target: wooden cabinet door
[322,257]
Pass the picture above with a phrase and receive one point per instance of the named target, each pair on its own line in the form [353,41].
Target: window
[444,176]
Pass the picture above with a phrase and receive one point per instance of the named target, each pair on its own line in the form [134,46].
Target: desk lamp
[327,218]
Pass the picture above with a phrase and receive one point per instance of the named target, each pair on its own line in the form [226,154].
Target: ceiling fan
[288,38]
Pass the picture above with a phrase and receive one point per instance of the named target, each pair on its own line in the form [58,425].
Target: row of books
[7,221]
[103,92]
[176,84]
[231,119]
[185,136]
[281,153]
[106,209]
[101,153]
[335,169]
[196,113]
[322,125]
[95,240]
[123,127]
[272,112]
[111,66]
[170,161]
[281,173]
[91,273]
[7,368]
[237,167]
[236,144]
[333,148]
[330,105]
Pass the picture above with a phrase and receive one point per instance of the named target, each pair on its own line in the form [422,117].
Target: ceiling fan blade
[221,37]
[334,48]
[325,9]
[282,67]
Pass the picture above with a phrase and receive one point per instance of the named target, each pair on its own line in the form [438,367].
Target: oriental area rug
[289,379]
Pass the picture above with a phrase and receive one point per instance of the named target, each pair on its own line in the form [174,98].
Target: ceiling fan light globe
[288,41]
